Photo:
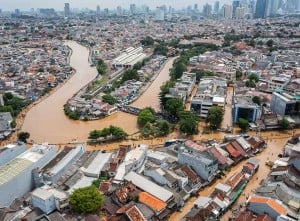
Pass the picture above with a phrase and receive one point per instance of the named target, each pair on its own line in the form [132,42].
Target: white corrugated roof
[148,186]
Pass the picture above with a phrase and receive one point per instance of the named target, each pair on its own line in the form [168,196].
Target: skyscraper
[159,14]
[67,9]
[132,9]
[261,8]
[272,7]
[98,10]
[207,10]
[217,7]
[227,11]
[235,4]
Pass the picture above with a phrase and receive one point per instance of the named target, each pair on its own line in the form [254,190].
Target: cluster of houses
[6,128]
[224,194]
[90,108]
[136,181]
[29,69]
[278,197]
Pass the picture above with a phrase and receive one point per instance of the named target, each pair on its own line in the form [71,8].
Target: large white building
[134,159]
[130,57]
[16,176]
[49,199]
[210,92]
[10,151]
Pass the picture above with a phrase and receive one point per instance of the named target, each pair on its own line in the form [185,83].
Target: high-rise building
[261,9]
[119,11]
[292,5]
[272,7]
[159,14]
[67,9]
[240,12]
[217,7]
[196,7]
[207,10]
[106,12]
[235,4]
[227,11]
[98,10]
[132,9]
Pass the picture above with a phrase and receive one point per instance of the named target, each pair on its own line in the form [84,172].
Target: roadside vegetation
[113,132]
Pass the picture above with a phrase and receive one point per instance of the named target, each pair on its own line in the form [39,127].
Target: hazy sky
[59,4]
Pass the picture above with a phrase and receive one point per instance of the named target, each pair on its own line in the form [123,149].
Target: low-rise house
[49,199]
[154,203]
[149,187]
[265,205]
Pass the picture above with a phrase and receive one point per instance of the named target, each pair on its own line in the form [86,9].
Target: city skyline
[92,4]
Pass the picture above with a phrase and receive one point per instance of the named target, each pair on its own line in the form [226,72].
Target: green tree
[145,116]
[178,69]
[215,116]
[23,136]
[161,49]
[174,106]
[270,43]
[243,124]
[109,99]
[256,100]
[86,200]
[253,77]
[238,75]
[164,127]
[101,67]
[94,134]
[164,89]
[130,75]
[148,41]
[284,124]
[188,123]
[250,83]
[13,124]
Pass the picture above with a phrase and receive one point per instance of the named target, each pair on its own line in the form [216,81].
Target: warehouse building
[16,176]
[11,151]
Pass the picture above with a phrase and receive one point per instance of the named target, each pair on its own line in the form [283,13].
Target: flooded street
[46,121]
[227,121]
[276,141]
[150,96]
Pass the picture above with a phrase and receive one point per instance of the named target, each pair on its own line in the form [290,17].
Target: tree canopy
[188,123]
[130,75]
[23,136]
[243,124]
[145,115]
[174,106]
[256,100]
[114,131]
[253,77]
[86,200]
[101,67]
[148,41]
[284,124]
[215,116]
[109,99]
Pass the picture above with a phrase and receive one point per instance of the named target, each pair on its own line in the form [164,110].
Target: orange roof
[271,203]
[152,201]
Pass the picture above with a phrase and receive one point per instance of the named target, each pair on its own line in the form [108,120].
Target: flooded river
[46,121]
[150,96]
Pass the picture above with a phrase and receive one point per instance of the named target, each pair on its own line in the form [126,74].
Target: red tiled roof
[151,201]
[222,159]
[270,202]
[234,180]
[195,146]
[244,216]
[233,152]
[238,147]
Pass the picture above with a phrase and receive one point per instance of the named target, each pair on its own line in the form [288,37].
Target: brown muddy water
[46,121]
